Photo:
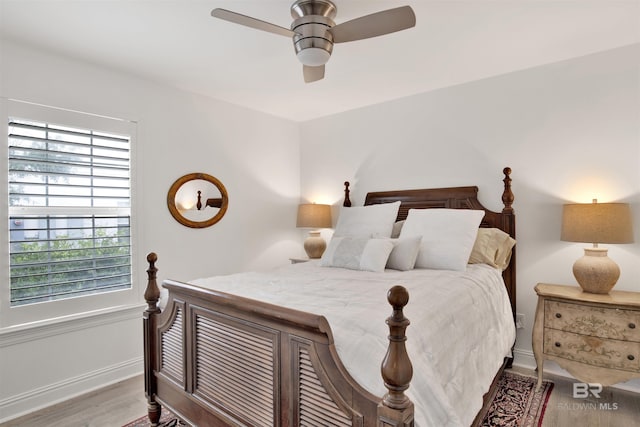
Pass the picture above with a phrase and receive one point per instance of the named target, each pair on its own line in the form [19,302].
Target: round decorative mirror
[197,200]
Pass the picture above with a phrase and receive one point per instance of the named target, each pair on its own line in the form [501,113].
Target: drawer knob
[630,357]
[557,344]
[632,325]
[558,315]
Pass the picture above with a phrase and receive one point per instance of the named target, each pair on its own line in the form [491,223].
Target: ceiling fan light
[313,56]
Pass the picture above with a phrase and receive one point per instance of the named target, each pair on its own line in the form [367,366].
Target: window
[69,210]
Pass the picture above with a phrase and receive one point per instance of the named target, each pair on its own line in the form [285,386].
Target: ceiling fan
[314,33]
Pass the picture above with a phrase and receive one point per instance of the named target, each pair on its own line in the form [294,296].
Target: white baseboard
[525,359]
[34,400]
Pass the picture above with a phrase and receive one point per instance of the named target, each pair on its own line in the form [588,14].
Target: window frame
[44,312]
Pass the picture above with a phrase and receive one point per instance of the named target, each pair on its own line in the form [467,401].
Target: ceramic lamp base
[314,245]
[595,272]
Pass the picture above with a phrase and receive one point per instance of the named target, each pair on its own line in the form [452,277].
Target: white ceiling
[177,42]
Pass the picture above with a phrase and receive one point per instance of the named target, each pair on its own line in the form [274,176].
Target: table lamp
[314,216]
[596,223]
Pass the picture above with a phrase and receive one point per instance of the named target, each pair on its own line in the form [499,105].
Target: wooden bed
[285,370]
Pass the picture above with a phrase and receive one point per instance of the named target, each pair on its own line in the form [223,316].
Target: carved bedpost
[507,194]
[151,295]
[347,200]
[509,225]
[396,409]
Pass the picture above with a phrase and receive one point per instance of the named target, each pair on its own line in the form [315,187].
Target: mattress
[461,326]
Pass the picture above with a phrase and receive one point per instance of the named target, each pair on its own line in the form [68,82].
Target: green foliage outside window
[58,268]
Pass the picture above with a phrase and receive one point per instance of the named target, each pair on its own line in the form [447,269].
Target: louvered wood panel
[316,406]
[172,350]
[235,368]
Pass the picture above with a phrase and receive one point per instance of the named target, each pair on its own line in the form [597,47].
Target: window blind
[69,211]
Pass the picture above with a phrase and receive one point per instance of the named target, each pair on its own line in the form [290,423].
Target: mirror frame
[171,200]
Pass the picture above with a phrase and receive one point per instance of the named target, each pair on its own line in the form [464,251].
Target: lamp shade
[597,223]
[314,216]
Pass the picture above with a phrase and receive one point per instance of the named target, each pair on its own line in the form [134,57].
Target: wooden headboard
[456,198]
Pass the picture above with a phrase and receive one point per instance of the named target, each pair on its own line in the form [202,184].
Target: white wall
[256,156]
[569,130]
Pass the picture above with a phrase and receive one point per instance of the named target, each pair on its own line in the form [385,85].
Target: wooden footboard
[219,359]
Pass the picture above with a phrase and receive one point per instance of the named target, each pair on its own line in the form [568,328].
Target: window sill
[18,334]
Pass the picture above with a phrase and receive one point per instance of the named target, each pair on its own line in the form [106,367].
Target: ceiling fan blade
[376,24]
[312,74]
[248,21]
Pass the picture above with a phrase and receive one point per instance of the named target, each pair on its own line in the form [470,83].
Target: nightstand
[593,336]
[298,260]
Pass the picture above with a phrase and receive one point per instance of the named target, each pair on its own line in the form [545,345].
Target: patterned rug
[167,419]
[516,405]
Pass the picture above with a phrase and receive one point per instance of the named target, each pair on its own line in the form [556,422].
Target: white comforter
[461,327]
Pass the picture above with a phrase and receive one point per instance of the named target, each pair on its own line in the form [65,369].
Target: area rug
[167,419]
[516,404]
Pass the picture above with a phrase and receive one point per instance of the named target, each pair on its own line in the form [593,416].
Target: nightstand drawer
[606,353]
[592,320]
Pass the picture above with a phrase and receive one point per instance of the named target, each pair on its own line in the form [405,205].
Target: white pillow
[357,253]
[367,221]
[404,254]
[447,236]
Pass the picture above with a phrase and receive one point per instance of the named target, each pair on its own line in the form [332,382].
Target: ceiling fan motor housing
[312,42]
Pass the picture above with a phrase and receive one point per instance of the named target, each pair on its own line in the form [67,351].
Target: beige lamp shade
[314,216]
[596,223]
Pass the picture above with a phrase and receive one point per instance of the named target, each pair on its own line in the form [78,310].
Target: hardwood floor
[614,407]
[123,402]
[112,406]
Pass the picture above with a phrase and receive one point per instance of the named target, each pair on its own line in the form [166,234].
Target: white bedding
[461,327]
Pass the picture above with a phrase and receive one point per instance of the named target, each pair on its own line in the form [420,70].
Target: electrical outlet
[519,321]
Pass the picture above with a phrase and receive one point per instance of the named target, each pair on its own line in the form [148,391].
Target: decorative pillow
[492,246]
[397,228]
[404,253]
[447,236]
[367,221]
[357,253]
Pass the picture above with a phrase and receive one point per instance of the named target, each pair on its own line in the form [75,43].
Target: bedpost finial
[347,200]
[398,297]
[152,292]
[507,194]
[152,258]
